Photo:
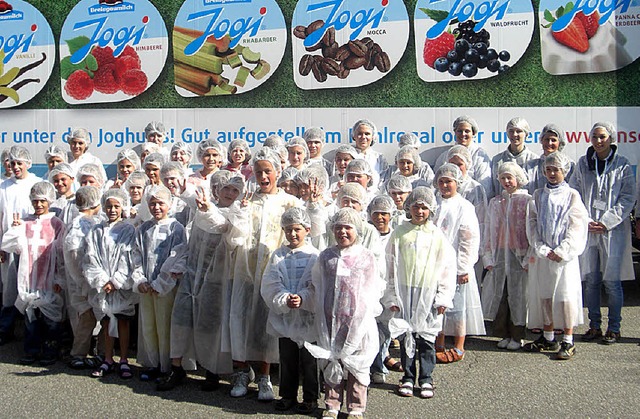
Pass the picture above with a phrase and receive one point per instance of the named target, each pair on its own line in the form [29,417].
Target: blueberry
[481,47]
[492,54]
[463,61]
[462,45]
[455,69]
[503,69]
[504,55]
[441,64]
[482,61]
[453,56]
[493,65]
[469,70]
[472,55]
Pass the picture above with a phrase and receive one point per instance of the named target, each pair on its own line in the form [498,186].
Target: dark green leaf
[66,68]
[76,43]
[437,15]
[91,62]
[549,17]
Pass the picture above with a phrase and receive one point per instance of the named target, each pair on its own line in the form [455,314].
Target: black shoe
[47,360]
[28,359]
[306,408]
[591,335]
[211,382]
[175,378]
[285,404]
[567,350]
[149,374]
[611,337]
[542,345]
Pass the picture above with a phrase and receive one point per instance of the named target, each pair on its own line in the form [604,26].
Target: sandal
[124,371]
[77,363]
[103,370]
[456,354]
[449,356]
[92,362]
[393,364]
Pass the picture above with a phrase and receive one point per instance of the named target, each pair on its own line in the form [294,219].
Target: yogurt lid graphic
[347,43]
[27,52]
[111,50]
[470,39]
[223,47]
[588,36]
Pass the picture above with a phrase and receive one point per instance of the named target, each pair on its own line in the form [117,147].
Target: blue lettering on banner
[121,38]
[604,7]
[462,12]
[218,28]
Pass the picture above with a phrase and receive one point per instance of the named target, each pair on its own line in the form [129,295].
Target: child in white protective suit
[108,266]
[421,278]
[285,287]
[200,318]
[160,259]
[347,291]
[557,230]
[505,255]
[81,317]
[62,178]
[457,219]
[38,241]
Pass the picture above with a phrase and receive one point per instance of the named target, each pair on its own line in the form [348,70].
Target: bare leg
[458,342]
[123,333]
[109,342]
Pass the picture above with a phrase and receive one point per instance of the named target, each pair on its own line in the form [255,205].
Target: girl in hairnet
[135,186]
[79,154]
[156,133]
[108,267]
[399,188]
[505,255]
[364,135]
[182,153]
[239,158]
[53,156]
[557,231]
[457,219]
[38,241]
[211,155]
[343,156]
[61,177]
[127,162]
[606,182]
[297,153]
[553,140]
[315,138]
[359,171]
[421,283]
[410,165]
[347,290]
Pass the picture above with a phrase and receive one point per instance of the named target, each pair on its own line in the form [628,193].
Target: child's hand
[144,288]
[489,268]
[132,213]
[463,279]
[597,228]
[117,183]
[16,220]
[552,256]
[441,310]
[314,193]
[394,309]
[294,301]
[3,256]
[201,200]
[108,287]
[57,288]
[175,276]
[248,196]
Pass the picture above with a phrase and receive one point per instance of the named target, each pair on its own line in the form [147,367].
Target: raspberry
[438,47]
[124,64]
[103,55]
[133,82]
[129,52]
[79,85]
[105,79]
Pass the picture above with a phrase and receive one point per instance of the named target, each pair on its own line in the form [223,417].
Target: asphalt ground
[600,381]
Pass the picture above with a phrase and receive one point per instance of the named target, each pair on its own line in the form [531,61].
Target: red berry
[134,82]
[129,51]
[79,85]
[385,3]
[3,8]
[103,55]
[125,63]
[438,47]
[105,80]
[590,22]
[145,20]
[34,27]
[263,10]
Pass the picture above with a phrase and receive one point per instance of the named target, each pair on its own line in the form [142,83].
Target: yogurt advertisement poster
[470,39]
[347,43]
[111,50]
[27,52]
[224,47]
[588,36]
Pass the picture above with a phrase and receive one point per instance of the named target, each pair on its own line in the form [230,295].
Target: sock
[568,338]
[548,335]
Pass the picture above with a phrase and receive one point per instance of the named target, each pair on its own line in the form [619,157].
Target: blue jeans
[425,354]
[8,317]
[385,340]
[41,335]
[613,289]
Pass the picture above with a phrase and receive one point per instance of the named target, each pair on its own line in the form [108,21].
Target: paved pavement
[600,381]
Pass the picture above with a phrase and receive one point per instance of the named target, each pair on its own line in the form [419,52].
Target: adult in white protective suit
[552,139]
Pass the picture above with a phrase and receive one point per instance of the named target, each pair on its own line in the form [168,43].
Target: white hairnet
[514,170]
[272,141]
[155,159]
[55,151]
[399,183]
[466,119]
[519,122]
[281,151]
[117,194]
[462,152]
[559,160]
[422,196]
[5,155]
[348,217]
[62,168]
[42,191]
[409,153]
[180,146]
[299,141]
[87,197]
[381,203]
[223,178]
[267,154]
[136,179]
[553,128]
[347,149]
[359,167]
[150,147]
[81,134]
[371,125]
[607,126]
[240,144]
[355,191]
[206,145]
[311,174]
[409,139]
[159,192]
[287,174]
[172,168]
[154,127]
[131,156]
[450,171]
[90,169]
[295,215]
[19,153]
[314,134]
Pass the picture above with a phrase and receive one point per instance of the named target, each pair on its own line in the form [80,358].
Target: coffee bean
[319,73]
[313,26]
[329,37]
[330,51]
[354,62]
[357,48]
[383,64]
[367,41]
[330,66]
[306,63]
[343,73]
[343,53]
[300,32]
[314,47]
[370,63]
[377,48]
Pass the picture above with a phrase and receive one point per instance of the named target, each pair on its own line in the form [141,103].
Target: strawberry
[590,22]
[438,47]
[574,36]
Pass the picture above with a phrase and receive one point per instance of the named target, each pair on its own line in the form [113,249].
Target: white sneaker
[514,344]
[265,389]
[240,384]
[504,343]
[377,378]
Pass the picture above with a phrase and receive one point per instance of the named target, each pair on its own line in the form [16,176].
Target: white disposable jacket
[522,159]
[480,169]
